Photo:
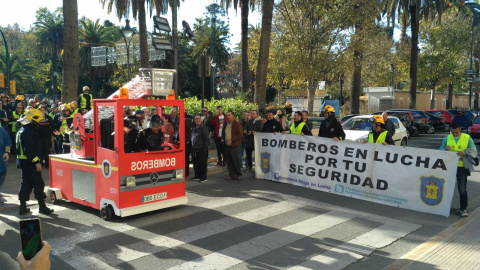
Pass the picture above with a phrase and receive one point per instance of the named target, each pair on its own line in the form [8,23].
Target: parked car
[420,119]
[474,129]
[437,122]
[357,129]
[345,118]
[467,113]
[442,113]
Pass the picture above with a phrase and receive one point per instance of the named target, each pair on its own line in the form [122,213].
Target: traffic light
[13,87]
[2,80]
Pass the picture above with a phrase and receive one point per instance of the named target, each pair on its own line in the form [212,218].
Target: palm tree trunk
[432,101]
[356,82]
[449,96]
[414,14]
[54,71]
[70,51]
[142,24]
[264,51]
[245,69]
[93,82]
[311,94]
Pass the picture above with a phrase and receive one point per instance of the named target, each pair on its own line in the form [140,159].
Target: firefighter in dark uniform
[151,139]
[29,163]
[44,139]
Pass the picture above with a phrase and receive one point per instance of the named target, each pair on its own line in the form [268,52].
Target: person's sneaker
[463,213]
[195,178]
[247,170]
[202,180]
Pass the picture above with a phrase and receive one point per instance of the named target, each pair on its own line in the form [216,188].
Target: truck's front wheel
[106,212]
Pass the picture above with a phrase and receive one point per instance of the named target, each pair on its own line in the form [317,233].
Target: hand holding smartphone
[30,237]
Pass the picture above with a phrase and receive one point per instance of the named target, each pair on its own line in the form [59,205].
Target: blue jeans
[462,175]
[2,178]
[241,148]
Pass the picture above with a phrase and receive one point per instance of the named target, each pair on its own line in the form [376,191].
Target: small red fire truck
[99,174]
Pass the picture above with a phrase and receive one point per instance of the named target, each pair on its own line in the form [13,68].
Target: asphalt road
[249,224]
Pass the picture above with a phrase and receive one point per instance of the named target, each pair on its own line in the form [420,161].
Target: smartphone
[31,237]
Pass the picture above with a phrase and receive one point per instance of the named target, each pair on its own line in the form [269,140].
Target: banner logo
[339,188]
[431,190]
[265,156]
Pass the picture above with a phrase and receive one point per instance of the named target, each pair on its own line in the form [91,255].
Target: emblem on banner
[431,190]
[265,156]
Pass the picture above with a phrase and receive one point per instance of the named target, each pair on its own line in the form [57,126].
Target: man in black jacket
[200,141]
[331,128]
[271,125]
[255,124]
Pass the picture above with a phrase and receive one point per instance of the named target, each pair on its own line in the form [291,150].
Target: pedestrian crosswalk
[260,229]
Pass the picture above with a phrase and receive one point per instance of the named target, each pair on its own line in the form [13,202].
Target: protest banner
[406,177]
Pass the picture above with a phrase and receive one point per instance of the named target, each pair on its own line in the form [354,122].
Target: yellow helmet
[329,108]
[378,119]
[31,116]
[20,97]
[288,104]
[86,88]
[68,106]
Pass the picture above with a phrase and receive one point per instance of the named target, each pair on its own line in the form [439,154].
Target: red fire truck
[99,174]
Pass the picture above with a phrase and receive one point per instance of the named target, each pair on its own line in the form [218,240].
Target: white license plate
[154,197]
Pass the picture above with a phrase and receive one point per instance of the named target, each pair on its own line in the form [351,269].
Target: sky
[23,12]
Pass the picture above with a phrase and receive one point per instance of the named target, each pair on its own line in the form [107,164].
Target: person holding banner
[298,126]
[379,134]
[331,128]
[460,143]
[271,125]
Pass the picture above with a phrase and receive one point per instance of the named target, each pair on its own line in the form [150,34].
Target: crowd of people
[235,137]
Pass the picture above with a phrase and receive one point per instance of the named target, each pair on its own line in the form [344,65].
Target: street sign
[161,24]
[469,72]
[162,43]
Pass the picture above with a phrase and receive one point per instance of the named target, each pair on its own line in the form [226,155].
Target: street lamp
[213,64]
[128,32]
[7,64]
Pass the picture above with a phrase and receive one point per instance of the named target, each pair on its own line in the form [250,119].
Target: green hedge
[194,105]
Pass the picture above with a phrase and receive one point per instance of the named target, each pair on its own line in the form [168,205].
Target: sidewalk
[456,247]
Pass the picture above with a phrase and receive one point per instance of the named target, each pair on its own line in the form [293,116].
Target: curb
[415,253]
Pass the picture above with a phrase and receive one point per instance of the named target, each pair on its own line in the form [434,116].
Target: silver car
[357,129]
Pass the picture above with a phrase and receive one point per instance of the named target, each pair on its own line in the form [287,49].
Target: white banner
[411,178]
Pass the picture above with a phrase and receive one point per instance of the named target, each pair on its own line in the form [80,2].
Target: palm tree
[245,6]
[210,39]
[49,29]
[93,34]
[417,10]
[70,51]
[20,68]
[260,96]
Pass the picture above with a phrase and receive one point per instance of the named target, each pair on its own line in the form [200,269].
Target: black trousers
[44,145]
[31,179]
[13,138]
[233,164]
[188,152]
[248,153]
[200,163]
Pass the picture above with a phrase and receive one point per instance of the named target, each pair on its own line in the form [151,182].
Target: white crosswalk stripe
[269,211]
